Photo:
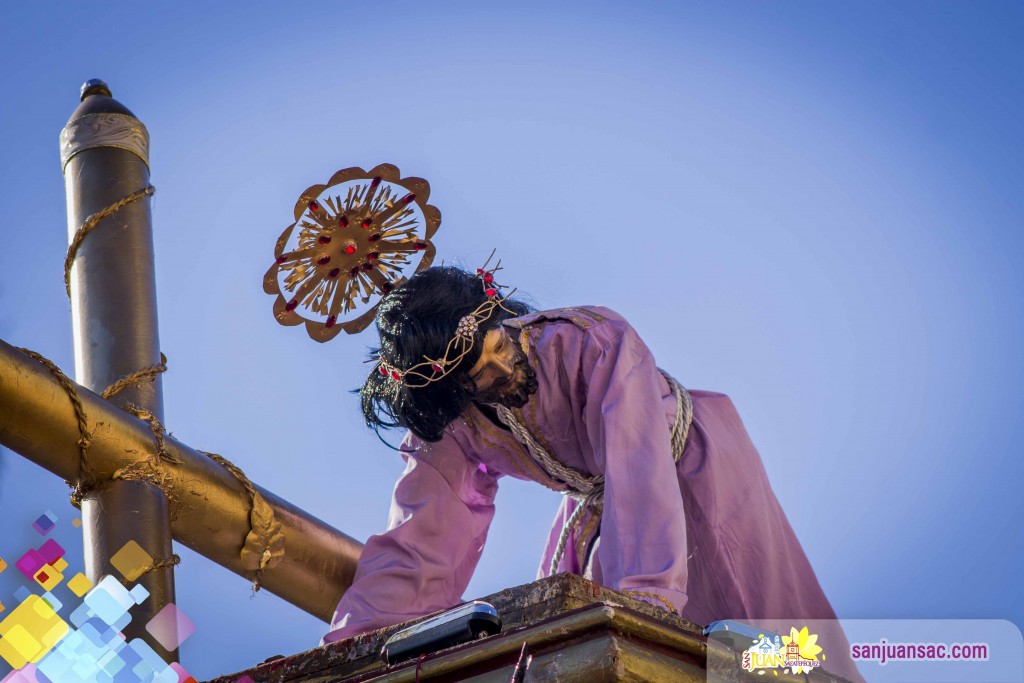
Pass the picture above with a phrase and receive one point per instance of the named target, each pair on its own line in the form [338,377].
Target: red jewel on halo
[314,205]
[367,266]
[330,321]
[367,222]
[281,259]
[375,182]
[350,249]
[488,278]
[323,260]
[334,272]
[292,305]
[387,287]
[395,374]
[375,237]
[409,198]
[491,292]
[325,239]
[383,370]
[354,271]
[372,255]
[420,246]
[343,221]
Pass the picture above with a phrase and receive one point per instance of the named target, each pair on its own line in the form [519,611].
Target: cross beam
[208,507]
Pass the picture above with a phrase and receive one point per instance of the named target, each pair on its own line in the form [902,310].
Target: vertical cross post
[105,158]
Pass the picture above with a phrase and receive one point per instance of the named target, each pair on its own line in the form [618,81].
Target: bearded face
[502,373]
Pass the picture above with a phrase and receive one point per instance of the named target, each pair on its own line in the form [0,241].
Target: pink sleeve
[643,530]
[442,507]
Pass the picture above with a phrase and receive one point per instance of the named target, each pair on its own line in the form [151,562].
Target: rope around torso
[588,489]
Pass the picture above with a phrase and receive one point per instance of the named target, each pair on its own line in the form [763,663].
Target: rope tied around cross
[264,545]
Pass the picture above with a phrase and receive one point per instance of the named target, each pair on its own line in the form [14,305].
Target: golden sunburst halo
[352,240]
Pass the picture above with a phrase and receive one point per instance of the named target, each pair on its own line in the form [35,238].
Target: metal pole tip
[95,86]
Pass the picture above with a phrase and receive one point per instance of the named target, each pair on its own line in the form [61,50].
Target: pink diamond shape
[170,627]
[30,563]
[51,551]
[26,674]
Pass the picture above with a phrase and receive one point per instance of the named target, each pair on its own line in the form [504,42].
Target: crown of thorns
[433,369]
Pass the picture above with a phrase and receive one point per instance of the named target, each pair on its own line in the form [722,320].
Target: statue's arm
[643,528]
[441,509]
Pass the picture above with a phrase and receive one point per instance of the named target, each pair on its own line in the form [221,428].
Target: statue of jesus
[666,498]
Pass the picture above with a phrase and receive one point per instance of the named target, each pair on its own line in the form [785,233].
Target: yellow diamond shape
[3,565]
[18,646]
[52,577]
[30,631]
[61,564]
[79,584]
[131,560]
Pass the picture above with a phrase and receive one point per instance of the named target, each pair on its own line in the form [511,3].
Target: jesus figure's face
[502,373]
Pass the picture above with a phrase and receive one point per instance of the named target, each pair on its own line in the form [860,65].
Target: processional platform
[576,630]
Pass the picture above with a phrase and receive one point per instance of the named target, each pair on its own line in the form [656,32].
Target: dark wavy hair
[419,319]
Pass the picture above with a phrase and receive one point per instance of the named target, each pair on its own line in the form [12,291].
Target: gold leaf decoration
[264,544]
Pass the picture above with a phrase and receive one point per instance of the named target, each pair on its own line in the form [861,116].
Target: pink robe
[706,536]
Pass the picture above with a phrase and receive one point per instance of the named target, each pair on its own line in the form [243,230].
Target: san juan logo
[798,652]
[765,653]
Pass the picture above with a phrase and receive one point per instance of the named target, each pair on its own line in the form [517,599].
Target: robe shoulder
[583,317]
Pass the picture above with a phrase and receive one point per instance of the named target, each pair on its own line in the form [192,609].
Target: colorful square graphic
[48,577]
[131,560]
[52,601]
[79,584]
[139,593]
[170,627]
[51,551]
[109,601]
[26,674]
[30,563]
[30,631]
[45,523]
[183,676]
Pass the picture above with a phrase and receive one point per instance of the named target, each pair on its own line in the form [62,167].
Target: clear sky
[815,208]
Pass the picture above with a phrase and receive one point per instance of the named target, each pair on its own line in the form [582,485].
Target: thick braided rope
[237,473]
[572,523]
[159,564]
[86,475]
[588,490]
[234,470]
[578,483]
[87,479]
[171,561]
[147,470]
[146,374]
[158,433]
[91,222]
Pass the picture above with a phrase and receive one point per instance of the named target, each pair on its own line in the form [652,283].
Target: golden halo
[357,234]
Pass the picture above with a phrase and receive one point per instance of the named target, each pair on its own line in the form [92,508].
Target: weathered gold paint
[208,507]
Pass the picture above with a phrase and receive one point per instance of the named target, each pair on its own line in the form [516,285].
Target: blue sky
[812,207]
